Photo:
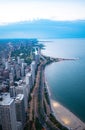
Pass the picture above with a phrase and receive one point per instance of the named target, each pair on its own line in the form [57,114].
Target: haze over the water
[24,10]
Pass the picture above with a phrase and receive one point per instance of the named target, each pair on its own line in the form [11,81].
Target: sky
[24,10]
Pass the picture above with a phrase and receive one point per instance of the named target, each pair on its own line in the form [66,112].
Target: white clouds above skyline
[23,10]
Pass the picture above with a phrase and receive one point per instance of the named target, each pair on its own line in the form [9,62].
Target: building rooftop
[19,97]
[33,63]
[28,74]
[5,99]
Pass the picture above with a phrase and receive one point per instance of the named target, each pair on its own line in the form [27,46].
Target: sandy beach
[66,117]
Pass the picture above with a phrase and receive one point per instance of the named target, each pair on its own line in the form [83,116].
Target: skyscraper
[7,65]
[12,91]
[20,109]
[18,60]
[29,79]
[11,78]
[33,67]
[21,89]
[7,112]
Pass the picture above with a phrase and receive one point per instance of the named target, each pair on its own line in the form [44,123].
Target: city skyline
[25,10]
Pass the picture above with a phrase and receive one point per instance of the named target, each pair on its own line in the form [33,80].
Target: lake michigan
[66,79]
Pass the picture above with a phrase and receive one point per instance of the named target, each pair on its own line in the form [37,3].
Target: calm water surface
[67,78]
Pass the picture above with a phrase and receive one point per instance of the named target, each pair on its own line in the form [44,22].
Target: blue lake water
[67,78]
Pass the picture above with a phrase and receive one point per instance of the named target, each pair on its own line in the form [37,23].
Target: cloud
[22,10]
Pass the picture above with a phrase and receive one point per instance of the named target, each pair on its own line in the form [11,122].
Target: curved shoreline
[64,115]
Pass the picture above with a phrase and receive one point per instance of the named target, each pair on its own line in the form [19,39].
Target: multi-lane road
[38,99]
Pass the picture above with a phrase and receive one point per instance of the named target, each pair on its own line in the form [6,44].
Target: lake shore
[63,115]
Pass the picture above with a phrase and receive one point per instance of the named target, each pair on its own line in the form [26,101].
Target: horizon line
[37,19]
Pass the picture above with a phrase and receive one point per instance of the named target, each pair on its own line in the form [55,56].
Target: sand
[66,117]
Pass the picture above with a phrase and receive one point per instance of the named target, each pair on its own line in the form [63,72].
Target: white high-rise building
[12,70]
[18,74]
[7,66]
[18,60]
[29,82]
[18,71]
[22,60]
[39,51]
[21,89]
[37,58]
[11,78]
[29,79]
[33,67]
[7,112]
[22,69]
[20,109]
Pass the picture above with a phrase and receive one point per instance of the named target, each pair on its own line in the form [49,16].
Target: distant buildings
[16,80]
